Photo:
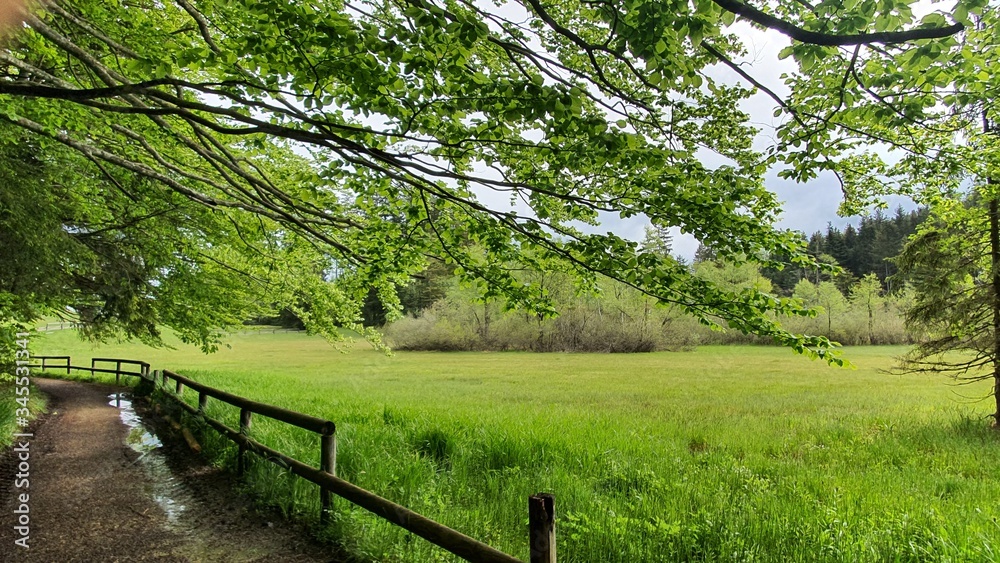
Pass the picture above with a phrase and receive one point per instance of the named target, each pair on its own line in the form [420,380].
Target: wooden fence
[65,362]
[62,325]
[541,508]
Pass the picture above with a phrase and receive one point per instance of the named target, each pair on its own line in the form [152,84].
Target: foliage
[727,453]
[949,265]
[125,257]
[867,295]
[621,319]
[8,349]
[825,295]
[657,240]
[918,120]
[866,249]
[416,113]
[9,407]
[732,275]
[618,319]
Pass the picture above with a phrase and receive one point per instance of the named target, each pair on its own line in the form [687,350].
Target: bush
[623,320]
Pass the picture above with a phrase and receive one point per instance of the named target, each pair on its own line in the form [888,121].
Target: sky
[807,207]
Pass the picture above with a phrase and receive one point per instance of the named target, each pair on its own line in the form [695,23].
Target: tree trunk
[995,263]
[871,323]
[486,321]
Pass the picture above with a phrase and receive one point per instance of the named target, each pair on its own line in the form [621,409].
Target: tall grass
[9,410]
[720,454]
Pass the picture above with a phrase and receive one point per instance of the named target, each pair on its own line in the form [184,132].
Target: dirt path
[94,498]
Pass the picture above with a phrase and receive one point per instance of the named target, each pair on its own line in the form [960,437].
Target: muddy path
[102,489]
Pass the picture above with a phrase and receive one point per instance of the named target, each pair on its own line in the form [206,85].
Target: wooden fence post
[328,464]
[202,402]
[179,388]
[244,430]
[69,362]
[542,528]
[118,372]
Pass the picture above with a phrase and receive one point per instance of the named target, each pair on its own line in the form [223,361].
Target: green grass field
[721,454]
[10,410]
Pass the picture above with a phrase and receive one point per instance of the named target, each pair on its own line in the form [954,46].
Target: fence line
[67,364]
[63,325]
[541,510]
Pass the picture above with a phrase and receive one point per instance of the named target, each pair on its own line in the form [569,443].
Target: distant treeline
[867,249]
[623,320]
[864,304]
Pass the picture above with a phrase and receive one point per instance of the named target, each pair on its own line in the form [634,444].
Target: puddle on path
[184,513]
[166,490]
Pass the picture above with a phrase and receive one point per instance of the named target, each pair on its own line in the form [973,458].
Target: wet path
[101,489]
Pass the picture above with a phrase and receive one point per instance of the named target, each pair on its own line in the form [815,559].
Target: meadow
[728,453]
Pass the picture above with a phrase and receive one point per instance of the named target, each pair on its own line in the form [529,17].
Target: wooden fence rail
[65,359]
[541,533]
[143,367]
[66,363]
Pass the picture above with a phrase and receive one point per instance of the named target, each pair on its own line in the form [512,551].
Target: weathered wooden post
[245,431]
[118,372]
[327,464]
[179,388]
[542,528]
[202,402]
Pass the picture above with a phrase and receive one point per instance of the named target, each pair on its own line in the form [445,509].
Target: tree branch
[834,40]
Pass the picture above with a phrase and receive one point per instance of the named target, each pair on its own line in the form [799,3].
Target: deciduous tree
[124,258]
[425,110]
[867,296]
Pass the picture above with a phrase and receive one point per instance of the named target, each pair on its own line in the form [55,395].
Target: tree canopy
[419,116]
[128,257]
[870,248]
